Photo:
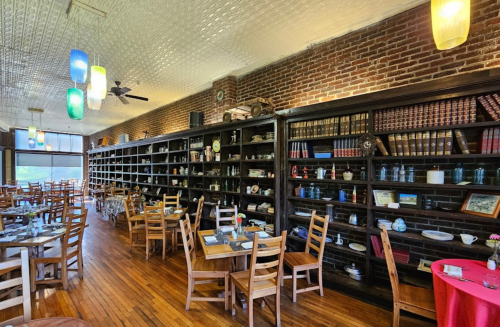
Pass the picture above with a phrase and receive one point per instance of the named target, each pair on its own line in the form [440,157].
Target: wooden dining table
[14,212]
[171,217]
[56,322]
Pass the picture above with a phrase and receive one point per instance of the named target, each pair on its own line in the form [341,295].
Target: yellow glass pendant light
[450,22]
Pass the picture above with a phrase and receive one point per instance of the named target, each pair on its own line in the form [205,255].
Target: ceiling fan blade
[136,97]
[123,90]
[114,89]
[123,100]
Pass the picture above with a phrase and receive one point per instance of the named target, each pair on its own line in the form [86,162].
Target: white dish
[327,199]
[490,243]
[357,247]
[59,231]
[247,245]
[177,212]
[262,234]
[210,239]
[225,229]
[437,235]
[303,214]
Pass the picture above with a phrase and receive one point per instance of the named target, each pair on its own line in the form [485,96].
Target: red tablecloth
[463,304]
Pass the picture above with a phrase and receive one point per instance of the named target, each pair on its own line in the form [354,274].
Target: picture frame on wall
[483,204]
[384,197]
[409,199]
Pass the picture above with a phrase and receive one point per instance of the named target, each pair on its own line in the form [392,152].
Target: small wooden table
[172,217]
[56,322]
[14,212]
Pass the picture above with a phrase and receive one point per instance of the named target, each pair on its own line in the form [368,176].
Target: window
[46,166]
[34,167]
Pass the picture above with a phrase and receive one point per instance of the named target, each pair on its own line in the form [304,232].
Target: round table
[56,322]
[461,303]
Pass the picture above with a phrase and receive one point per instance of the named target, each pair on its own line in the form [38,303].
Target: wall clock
[220,95]
[367,144]
[216,146]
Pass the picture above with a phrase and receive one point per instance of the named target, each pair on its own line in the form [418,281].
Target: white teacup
[468,239]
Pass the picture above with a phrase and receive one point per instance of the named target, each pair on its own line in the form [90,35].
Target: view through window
[37,165]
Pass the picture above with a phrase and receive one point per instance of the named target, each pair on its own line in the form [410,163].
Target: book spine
[426,138]
[442,113]
[420,118]
[462,141]
[447,113]
[418,143]
[367,122]
[490,141]
[489,109]
[425,120]
[436,114]
[448,142]
[461,113]
[466,110]
[472,110]
[410,121]
[399,144]
[392,145]
[399,120]
[430,117]
[493,104]
[454,112]
[415,116]
[432,147]
[381,146]
[440,143]
[406,146]
[412,145]
[375,120]
[496,141]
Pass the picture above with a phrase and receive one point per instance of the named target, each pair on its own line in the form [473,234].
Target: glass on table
[490,281]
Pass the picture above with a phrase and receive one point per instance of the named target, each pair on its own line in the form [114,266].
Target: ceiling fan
[120,93]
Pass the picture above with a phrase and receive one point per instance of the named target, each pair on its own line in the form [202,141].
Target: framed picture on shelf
[425,265]
[409,199]
[484,204]
[384,197]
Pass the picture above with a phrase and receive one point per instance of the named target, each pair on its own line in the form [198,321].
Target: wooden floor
[121,288]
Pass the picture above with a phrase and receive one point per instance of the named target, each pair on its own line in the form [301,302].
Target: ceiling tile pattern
[162,49]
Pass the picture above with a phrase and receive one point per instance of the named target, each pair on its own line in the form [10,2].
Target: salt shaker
[492,265]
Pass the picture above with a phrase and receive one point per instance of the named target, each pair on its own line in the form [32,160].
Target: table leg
[40,266]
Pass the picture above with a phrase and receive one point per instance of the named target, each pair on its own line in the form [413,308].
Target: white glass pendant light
[450,22]
[98,73]
[93,98]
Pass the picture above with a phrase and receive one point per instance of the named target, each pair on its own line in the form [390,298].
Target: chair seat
[417,296]
[300,259]
[201,264]
[55,253]
[241,279]
[139,227]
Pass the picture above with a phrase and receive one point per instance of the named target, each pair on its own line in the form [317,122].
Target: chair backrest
[321,227]
[274,246]
[128,204]
[171,200]
[71,210]
[37,196]
[219,219]
[13,284]
[11,182]
[73,237]
[117,191]
[135,196]
[391,265]
[154,219]
[56,208]
[188,241]
[6,201]
[199,213]
[47,185]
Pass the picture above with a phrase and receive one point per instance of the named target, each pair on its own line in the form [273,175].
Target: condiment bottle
[402,174]
[295,172]
[333,171]
[310,193]
[354,197]
[347,173]
[363,173]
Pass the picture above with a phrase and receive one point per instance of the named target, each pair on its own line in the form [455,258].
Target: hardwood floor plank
[121,288]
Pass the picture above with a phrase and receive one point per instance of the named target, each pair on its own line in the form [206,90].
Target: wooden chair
[6,202]
[71,249]
[197,221]
[101,199]
[219,219]
[11,182]
[80,191]
[14,285]
[71,210]
[135,228]
[56,212]
[406,297]
[169,200]
[198,267]
[155,228]
[173,226]
[117,191]
[305,261]
[135,196]
[262,279]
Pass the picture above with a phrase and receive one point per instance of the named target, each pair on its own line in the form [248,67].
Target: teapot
[399,225]
[320,173]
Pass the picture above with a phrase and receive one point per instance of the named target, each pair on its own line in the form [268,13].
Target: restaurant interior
[255,163]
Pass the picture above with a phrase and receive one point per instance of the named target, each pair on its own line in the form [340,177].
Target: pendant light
[78,63]
[31,143]
[74,103]
[32,129]
[450,22]
[49,147]
[40,137]
[98,74]
[93,94]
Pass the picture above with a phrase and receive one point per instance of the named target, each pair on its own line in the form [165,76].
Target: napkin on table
[247,245]
[226,228]
[210,239]
[453,271]
[59,231]
[7,238]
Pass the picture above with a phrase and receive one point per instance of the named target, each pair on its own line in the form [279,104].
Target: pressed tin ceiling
[162,49]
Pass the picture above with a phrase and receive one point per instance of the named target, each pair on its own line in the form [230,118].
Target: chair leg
[147,249]
[308,277]
[395,316]
[188,300]
[282,276]
[64,275]
[250,311]
[226,291]
[320,280]
[33,275]
[80,264]
[233,298]
[294,286]
[277,310]
[131,240]
[164,244]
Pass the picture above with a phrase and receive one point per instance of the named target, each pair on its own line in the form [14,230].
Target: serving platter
[437,235]
[303,214]
[357,247]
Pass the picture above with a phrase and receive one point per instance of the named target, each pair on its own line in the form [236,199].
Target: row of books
[341,125]
[437,113]
[489,141]
[346,147]
[491,103]
[428,143]
[399,255]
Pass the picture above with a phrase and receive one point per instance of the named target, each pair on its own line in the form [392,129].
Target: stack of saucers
[386,223]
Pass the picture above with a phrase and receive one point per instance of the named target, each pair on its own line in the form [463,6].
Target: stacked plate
[386,223]
[437,235]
